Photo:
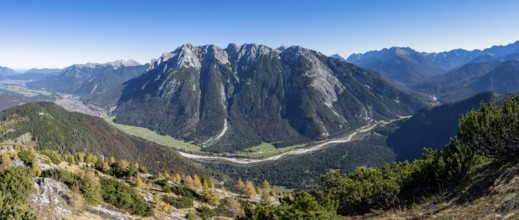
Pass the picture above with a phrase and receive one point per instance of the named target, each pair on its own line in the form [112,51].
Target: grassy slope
[153,136]
[489,192]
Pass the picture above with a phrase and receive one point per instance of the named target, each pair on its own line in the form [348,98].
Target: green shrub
[15,185]
[63,176]
[90,191]
[492,130]
[206,213]
[306,205]
[364,189]
[53,156]
[26,156]
[190,216]
[124,197]
[383,188]
[184,192]
[180,202]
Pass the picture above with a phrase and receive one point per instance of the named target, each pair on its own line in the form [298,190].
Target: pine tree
[124,164]
[177,178]
[106,167]
[208,195]
[211,182]
[111,161]
[250,191]
[240,187]
[90,158]
[81,157]
[166,175]
[188,181]
[196,182]
[138,182]
[156,199]
[265,192]
[233,208]
[143,169]
[14,156]
[215,198]
[258,190]
[6,159]
[492,130]
[35,168]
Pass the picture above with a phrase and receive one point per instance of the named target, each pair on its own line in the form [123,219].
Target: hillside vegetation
[52,127]
[476,175]
[48,185]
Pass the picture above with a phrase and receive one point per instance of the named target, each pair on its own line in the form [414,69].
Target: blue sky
[58,33]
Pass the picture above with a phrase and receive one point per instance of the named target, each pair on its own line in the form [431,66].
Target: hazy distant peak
[119,63]
[337,56]
[43,70]
[282,48]
[5,70]
[115,64]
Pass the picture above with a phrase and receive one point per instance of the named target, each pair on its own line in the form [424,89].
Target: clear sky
[58,33]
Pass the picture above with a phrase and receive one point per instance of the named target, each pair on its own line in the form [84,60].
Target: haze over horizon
[59,33]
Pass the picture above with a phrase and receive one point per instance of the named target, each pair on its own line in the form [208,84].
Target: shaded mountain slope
[433,127]
[106,88]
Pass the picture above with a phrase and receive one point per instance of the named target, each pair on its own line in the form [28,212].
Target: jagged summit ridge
[188,55]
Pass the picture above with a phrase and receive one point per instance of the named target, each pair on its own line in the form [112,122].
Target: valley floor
[295,151]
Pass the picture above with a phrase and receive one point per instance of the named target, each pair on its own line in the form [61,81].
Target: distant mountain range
[32,74]
[99,83]
[400,64]
[42,71]
[4,71]
[233,98]
[405,65]
[489,74]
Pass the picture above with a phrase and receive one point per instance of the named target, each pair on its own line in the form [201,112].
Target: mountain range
[42,71]
[97,83]
[4,71]
[499,74]
[405,65]
[229,99]
[74,76]
[237,97]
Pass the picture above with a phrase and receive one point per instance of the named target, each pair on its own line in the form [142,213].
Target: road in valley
[298,151]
